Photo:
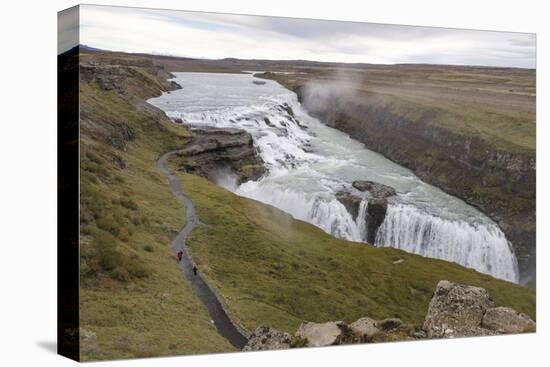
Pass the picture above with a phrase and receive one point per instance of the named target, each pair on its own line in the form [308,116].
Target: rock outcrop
[267,338]
[121,136]
[350,201]
[365,327]
[216,152]
[377,199]
[389,324]
[320,335]
[126,78]
[506,320]
[458,310]
[130,79]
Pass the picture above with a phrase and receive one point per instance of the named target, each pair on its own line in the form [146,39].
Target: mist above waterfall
[334,92]
[225,178]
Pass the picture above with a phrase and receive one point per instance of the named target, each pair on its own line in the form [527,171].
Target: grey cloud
[322,40]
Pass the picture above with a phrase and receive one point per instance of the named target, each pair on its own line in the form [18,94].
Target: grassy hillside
[134,302]
[274,270]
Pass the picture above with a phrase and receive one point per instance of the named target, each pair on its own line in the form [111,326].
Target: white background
[28,181]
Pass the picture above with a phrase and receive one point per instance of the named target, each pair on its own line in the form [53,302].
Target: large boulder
[267,338]
[457,310]
[328,333]
[365,327]
[506,320]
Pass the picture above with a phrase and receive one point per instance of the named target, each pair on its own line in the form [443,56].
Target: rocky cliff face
[456,310]
[225,156]
[377,199]
[126,83]
[501,184]
[127,76]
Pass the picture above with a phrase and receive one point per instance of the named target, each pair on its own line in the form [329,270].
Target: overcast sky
[215,36]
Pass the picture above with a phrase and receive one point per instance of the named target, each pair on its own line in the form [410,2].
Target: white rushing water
[308,162]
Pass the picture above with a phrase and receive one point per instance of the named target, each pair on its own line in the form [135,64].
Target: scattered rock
[267,338]
[421,334]
[506,320]
[120,137]
[389,324]
[177,120]
[328,333]
[365,326]
[457,310]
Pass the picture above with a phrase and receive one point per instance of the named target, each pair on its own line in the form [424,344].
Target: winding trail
[206,294]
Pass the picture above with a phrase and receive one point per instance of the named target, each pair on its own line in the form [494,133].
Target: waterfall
[307,163]
[482,247]
[361,220]
[322,210]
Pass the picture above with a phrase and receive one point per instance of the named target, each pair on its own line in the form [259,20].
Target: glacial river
[308,162]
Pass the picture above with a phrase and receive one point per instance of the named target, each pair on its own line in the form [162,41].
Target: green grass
[274,270]
[134,301]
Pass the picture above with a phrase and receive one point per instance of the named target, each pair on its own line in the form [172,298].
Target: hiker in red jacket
[180,255]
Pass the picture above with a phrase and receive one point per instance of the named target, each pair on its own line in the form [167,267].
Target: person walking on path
[180,255]
[195,269]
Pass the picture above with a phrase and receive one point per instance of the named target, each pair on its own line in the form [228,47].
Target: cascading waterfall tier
[308,162]
[482,247]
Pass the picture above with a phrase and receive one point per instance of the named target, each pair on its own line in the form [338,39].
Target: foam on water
[308,162]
